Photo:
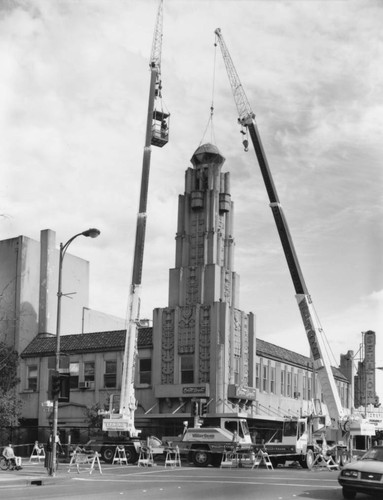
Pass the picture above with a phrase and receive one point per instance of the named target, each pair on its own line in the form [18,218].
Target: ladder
[262,456]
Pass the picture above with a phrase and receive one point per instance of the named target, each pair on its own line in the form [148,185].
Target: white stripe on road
[191,480]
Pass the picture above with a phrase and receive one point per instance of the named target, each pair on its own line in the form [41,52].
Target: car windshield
[374,454]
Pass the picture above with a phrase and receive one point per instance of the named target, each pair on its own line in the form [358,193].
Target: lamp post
[92,233]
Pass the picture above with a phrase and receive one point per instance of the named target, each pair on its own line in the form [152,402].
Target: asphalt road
[134,483]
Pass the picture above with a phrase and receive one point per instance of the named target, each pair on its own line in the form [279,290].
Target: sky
[74,86]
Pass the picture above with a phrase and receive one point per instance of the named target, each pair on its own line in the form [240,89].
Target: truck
[206,443]
[106,446]
[298,438]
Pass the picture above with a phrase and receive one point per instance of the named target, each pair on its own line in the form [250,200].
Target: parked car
[364,475]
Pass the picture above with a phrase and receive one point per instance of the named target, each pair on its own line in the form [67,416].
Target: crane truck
[121,423]
[298,438]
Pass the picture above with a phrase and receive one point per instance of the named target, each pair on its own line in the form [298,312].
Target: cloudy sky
[73,101]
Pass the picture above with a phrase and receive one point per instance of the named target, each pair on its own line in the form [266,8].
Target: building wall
[203,325]
[28,292]
[274,398]
[35,384]
[285,389]
[93,321]
[19,294]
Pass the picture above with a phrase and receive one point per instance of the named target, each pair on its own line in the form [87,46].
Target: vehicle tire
[274,462]
[4,464]
[216,459]
[107,454]
[308,462]
[348,493]
[131,455]
[201,457]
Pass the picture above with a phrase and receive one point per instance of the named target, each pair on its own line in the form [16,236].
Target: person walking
[48,462]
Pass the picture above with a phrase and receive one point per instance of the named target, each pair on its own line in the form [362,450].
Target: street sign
[116,424]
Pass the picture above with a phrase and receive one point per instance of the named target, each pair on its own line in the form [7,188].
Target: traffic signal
[59,386]
[195,408]
[64,388]
[203,408]
[54,382]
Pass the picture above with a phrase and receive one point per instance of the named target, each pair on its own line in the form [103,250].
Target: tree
[10,404]
[93,418]
[9,361]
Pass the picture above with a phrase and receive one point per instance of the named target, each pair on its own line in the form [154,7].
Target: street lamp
[89,233]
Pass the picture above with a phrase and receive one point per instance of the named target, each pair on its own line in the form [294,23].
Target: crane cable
[210,120]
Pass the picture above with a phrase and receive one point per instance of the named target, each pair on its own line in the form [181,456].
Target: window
[289,384]
[110,375]
[309,388]
[236,370]
[74,369]
[257,368]
[304,386]
[89,371]
[272,380]
[283,382]
[145,375]
[264,379]
[290,428]
[32,378]
[187,369]
[295,385]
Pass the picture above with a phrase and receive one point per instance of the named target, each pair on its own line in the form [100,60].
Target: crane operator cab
[160,128]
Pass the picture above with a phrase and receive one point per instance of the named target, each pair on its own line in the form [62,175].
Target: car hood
[366,466]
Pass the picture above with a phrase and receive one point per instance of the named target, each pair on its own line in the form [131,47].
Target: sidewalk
[32,474]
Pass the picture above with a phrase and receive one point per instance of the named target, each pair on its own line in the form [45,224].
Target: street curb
[31,480]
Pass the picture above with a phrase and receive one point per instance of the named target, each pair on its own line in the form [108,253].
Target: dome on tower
[207,153]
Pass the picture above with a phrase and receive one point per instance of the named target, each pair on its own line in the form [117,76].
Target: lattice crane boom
[156,134]
[311,323]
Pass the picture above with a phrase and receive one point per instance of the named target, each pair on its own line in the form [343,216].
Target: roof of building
[44,345]
[207,153]
[268,350]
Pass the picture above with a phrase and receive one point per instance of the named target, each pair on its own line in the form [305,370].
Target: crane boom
[246,118]
[124,420]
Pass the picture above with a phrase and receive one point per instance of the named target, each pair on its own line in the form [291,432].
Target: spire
[207,153]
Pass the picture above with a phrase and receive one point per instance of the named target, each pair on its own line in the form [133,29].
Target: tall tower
[204,345]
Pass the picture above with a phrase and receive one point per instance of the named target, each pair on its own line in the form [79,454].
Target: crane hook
[246,145]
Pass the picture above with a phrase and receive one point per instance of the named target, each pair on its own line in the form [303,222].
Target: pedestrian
[48,462]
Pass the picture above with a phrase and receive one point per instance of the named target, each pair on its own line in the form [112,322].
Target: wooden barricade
[172,458]
[324,461]
[82,458]
[120,455]
[38,452]
[145,458]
